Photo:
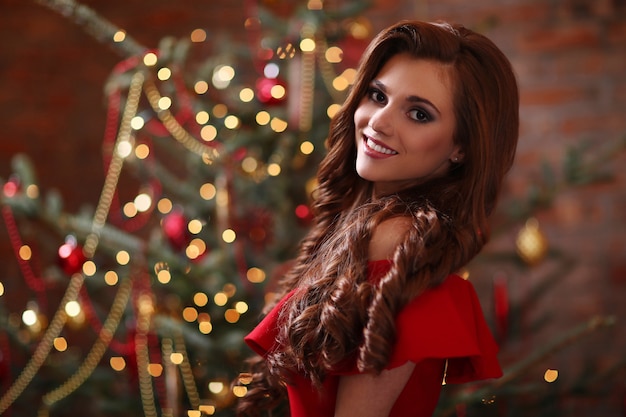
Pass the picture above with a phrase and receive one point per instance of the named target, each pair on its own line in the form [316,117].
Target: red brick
[551,95]
[557,39]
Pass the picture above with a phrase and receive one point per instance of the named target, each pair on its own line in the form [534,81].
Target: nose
[381,120]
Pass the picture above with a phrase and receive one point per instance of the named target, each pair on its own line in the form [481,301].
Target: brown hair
[336,314]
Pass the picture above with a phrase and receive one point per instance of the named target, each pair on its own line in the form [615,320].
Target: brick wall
[570,58]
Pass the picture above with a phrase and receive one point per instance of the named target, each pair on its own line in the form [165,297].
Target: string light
[208,133]
[229,235]
[117,363]
[307,148]
[190,314]
[122,257]
[137,122]
[201,87]
[25,252]
[119,36]
[143,202]
[202,117]
[208,191]
[60,344]
[198,35]
[164,74]
[255,275]
[246,95]
[551,375]
[232,122]
[262,118]
[200,299]
[111,278]
[89,268]
[72,308]
[150,59]
[164,205]
[220,299]
[32,191]
[142,151]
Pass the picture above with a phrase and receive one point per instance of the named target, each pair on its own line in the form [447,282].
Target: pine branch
[95,25]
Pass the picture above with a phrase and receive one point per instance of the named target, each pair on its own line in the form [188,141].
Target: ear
[457,156]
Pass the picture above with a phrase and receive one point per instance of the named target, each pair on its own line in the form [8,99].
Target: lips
[377,147]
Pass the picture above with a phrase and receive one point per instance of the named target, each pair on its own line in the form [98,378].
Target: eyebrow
[411,98]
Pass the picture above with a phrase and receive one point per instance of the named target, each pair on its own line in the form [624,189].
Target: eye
[420,115]
[376,95]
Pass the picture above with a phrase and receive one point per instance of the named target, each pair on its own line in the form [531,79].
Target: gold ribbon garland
[76,281]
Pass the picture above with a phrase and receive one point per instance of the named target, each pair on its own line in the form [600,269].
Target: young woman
[372,317]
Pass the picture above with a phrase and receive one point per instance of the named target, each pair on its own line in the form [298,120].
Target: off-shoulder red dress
[442,324]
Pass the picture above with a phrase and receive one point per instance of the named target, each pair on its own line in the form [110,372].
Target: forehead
[407,75]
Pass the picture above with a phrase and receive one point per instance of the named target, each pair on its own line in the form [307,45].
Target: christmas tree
[145,309]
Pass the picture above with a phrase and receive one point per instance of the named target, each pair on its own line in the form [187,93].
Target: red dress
[443,323]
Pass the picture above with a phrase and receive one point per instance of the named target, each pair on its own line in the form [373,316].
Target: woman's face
[405,124]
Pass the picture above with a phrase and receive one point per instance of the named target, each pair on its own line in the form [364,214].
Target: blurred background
[148,205]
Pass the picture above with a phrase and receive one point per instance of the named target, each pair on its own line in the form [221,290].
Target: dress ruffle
[442,323]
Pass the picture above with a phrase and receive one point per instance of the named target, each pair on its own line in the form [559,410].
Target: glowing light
[60,344]
[200,299]
[119,36]
[137,122]
[164,205]
[246,95]
[208,191]
[273,169]
[143,202]
[29,317]
[198,35]
[205,327]
[334,55]
[216,387]
[72,308]
[177,358]
[232,122]
[229,236]
[551,375]
[32,191]
[262,118]
[208,133]
[164,74]
[1,289]
[278,91]
[314,5]
[164,276]
[360,29]
[122,257]
[231,315]
[190,314]
[278,125]
[117,363]
[25,252]
[307,147]
[288,51]
[249,164]
[202,117]
[207,409]
[220,110]
[241,307]
[307,45]
[271,70]
[340,83]
[229,290]
[201,87]
[255,275]
[165,103]
[155,369]
[89,268]
[150,59]
[203,317]
[194,413]
[111,278]
[124,149]
[332,110]
[222,76]
[350,75]
[194,226]
[142,151]
[220,299]
[239,391]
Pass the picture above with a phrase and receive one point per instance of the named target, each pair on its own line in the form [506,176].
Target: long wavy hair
[338,317]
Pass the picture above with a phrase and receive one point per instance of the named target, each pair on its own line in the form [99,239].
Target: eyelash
[375,95]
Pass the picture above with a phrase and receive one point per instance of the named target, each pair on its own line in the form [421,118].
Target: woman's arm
[368,395]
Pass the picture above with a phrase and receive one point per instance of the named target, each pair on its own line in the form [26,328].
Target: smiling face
[405,124]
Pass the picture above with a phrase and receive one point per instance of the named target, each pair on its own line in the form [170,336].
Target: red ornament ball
[271,91]
[71,257]
[174,227]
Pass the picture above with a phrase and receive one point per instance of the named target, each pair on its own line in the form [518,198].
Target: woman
[372,317]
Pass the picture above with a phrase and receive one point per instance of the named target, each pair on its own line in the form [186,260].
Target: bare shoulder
[387,236]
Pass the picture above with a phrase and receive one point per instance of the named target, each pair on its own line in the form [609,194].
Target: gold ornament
[532,245]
